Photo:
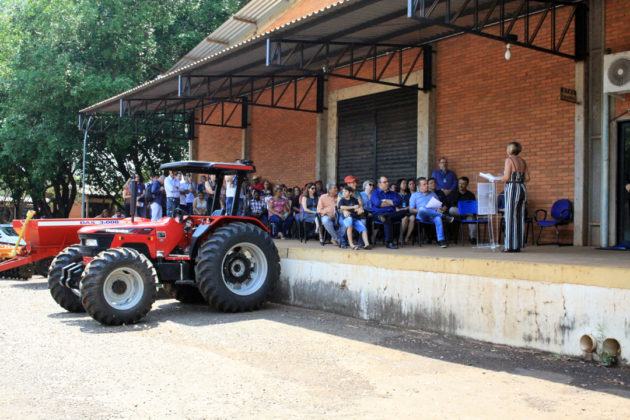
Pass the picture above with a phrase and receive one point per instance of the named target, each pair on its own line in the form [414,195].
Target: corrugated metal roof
[367,21]
[111,104]
[237,28]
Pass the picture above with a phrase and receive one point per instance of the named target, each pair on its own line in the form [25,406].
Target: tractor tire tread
[92,286]
[208,267]
[65,297]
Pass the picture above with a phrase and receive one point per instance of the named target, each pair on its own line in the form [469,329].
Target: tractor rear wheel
[237,267]
[118,286]
[67,298]
[42,266]
[184,293]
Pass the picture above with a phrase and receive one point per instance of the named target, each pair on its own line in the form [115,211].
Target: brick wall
[484,102]
[282,142]
[218,144]
[618,38]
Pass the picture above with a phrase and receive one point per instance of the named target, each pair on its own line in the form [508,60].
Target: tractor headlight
[90,242]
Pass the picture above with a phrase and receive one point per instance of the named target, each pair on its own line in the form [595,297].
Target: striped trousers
[515,197]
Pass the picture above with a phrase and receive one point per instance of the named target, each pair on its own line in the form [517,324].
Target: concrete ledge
[587,275]
[538,305]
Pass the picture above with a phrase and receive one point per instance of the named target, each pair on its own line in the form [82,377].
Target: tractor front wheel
[237,267]
[118,286]
[69,299]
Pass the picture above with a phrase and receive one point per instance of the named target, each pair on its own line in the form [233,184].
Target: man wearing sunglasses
[384,207]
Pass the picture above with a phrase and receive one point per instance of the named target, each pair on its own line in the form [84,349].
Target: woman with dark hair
[515,175]
[267,190]
[308,206]
[140,205]
[406,223]
[319,187]
[403,191]
[295,201]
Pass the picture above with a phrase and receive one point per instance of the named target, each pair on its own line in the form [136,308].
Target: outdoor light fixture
[509,38]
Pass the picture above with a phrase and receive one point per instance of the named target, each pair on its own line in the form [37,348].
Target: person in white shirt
[230,192]
[171,186]
[186,194]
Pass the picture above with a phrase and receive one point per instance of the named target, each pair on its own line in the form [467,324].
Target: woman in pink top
[279,214]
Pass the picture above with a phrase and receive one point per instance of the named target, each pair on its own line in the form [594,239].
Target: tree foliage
[58,56]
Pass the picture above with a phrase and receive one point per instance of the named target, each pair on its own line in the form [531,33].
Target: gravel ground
[188,361]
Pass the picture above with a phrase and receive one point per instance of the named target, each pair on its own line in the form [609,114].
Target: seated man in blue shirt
[446,180]
[385,205]
[418,206]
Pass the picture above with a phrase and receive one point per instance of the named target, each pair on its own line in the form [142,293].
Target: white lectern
[487,206]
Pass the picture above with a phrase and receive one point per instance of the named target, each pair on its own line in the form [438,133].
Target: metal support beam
[269,91]
[346,59]
[439,13]
[174,126]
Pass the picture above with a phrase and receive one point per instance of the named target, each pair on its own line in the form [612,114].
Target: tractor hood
[125,226]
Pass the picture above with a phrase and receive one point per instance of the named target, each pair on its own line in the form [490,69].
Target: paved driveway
[188,361]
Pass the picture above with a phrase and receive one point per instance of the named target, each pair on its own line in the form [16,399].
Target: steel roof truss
[523,13]
[103,123]
[282,90]
[316,57]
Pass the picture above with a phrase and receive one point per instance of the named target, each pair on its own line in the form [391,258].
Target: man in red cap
[256,183]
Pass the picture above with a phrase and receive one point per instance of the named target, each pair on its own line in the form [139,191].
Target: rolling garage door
[377,135]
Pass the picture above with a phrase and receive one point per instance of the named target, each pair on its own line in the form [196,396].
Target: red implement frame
[48,237]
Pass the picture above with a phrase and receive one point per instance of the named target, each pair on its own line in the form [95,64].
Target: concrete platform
[544,297]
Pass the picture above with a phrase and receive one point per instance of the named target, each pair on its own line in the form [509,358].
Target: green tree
[58,56]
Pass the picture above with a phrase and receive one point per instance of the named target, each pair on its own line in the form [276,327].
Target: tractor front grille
[89,249]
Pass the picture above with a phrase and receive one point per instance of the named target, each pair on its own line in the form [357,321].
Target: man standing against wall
[446,180]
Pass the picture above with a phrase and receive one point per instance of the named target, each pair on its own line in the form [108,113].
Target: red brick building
[368,106]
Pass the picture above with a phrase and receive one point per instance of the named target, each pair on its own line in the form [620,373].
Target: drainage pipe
[605,171]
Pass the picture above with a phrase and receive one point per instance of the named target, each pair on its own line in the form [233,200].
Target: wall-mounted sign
[568,95]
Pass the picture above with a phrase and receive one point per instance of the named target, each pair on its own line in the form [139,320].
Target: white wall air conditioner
[617,73]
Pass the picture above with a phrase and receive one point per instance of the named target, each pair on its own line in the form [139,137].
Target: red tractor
[228,261]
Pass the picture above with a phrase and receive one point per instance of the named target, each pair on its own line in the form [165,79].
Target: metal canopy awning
[338,41]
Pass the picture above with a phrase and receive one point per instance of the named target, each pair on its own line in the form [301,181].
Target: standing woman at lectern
[515,175]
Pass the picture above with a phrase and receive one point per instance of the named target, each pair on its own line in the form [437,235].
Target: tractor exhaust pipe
[132,202]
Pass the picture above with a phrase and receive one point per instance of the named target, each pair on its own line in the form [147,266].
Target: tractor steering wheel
[180,214]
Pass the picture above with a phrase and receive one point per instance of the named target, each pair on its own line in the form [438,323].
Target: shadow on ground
[518,361]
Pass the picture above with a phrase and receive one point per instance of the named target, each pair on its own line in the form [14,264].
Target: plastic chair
[420,226]
[561,214]
[396,224]
[469,208]
[303,227]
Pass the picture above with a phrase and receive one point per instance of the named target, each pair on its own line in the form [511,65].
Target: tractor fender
[203,230]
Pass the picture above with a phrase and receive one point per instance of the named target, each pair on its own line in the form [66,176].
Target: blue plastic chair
[396,224]
[469,208]
[561,214]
